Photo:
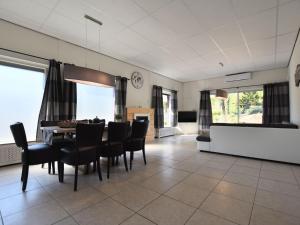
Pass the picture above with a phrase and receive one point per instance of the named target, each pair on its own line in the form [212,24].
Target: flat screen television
[187,116]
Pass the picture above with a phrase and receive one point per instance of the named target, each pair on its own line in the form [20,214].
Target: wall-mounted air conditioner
[237,77]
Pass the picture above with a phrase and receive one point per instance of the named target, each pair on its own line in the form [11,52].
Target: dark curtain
[174,108]
[276,103]
[205,113]
[120,98]
[69,101]
[157,105]
[59,99]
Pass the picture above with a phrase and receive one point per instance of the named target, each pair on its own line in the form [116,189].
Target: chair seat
[110,150]
[40,153]
[134,144]
[71,156]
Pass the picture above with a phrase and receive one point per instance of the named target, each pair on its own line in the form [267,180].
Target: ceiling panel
[227,36]
[246,8]
[182,39]
[202,43]
[260,26]
[179,19]
[289,17]
[212,13]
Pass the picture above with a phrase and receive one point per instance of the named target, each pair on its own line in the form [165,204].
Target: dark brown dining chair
[84,151]
[31,154]
[136,141]
[113,147]
[58,141]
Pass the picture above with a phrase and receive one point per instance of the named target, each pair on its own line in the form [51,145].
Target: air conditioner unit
[237,77]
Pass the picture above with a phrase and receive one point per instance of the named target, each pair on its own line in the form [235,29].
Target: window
[95,101]
[240,107]
[167,110]
[21,93]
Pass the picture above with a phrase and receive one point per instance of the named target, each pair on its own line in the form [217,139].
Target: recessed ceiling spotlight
[221,64]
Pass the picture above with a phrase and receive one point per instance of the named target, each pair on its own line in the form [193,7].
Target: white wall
[24,40]
[294,91]
[191,90]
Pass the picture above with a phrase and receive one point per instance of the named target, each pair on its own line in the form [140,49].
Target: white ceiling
[181,39]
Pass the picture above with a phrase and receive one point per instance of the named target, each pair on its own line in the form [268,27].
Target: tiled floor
[179,185]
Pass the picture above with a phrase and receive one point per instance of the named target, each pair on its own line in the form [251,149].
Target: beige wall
[17,38]
[294,91]
[191,95]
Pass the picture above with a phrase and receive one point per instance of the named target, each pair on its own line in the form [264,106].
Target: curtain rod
[22,53]
[256,85]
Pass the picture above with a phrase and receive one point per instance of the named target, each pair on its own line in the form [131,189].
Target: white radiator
[9,154]
[164,132]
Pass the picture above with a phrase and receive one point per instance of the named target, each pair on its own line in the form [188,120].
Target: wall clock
[137,80]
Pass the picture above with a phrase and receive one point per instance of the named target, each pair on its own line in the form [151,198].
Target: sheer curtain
[174,108]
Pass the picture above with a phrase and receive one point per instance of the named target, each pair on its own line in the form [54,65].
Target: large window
[95,101]
[240,107]
[21,93]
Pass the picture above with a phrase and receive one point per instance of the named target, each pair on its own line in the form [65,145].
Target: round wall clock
[137,80]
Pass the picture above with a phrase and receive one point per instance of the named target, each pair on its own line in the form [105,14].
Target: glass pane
[224,110]
[251,106]
[21,93]
[95,101]
[167,110]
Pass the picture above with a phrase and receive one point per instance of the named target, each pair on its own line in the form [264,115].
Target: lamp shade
[221,93]
[88,76]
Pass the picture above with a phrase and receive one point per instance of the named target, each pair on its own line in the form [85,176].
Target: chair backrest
[139,128]
[89,134]
[45,123]
[117,131]
[19,135]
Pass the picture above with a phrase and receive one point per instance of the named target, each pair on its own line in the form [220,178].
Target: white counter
[280,144]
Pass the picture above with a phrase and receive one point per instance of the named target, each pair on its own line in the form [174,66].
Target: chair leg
[61,172]
[117,160]
[99,169]
[131,158]
[42,165]
[53,167]
[112,161]
[23,172]
[76,178]
[144,156]
[125,161]
[49,167]
[25,176]
[94,166]
[108,162]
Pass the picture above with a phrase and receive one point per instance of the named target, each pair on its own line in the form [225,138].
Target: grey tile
[204,218]
[67,221]
[211,172]
[202,182]
[239,178]
[287,177]
[137,220]
[245,170]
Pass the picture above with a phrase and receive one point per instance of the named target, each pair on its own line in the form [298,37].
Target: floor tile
[279,202]
[237,191]
[78,200]
[245,170]
[107,212]
[166,211]
[204,218]
[135,197]
[202,182]
[159,184]
[231,209]
[279,176]
[43,214]
[239,178]
[111,187]
[264,216]
[253,163]
[218,165]
[23,201]
[188,194]
[279,187]
[67,221]
[137,220]
[276,167]
[211,172]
